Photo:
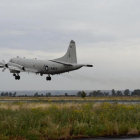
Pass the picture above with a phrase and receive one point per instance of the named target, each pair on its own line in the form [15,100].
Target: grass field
[112,98]
[42,121]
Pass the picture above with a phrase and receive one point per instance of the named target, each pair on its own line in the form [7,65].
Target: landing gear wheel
[17,77]
[14,74]
[48,78]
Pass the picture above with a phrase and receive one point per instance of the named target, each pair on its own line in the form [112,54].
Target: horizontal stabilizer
[87,65]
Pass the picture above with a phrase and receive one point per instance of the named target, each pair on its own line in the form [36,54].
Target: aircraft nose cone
[6,65]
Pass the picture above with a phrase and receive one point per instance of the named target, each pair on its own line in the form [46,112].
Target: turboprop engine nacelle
[16,65]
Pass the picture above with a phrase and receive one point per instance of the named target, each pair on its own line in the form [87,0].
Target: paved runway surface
[75,101]
[109,139]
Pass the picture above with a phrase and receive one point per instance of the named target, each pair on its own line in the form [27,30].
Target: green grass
[111,98]
[42,121]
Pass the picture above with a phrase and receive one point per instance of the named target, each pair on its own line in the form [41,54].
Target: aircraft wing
[31,70]
[16,69]
[70,64]
[60,62]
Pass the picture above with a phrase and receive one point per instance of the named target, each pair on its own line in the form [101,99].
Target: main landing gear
[17,77]
[48,78]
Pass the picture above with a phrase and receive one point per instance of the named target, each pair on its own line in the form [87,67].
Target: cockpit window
[11,61]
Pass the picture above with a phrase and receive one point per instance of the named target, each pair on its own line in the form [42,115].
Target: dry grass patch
[67,120]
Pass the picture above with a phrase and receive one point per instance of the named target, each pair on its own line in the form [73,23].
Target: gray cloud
[106,32]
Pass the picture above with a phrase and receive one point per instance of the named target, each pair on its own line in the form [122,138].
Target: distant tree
[83,94]
[106,93]
[6,93]
[36,94]
[113,92]
[66,94]
[48,94]
[79,93]
[14,94]
[10,94]
[91,94]
[2,93]
[94,93]
[41,95]
[99,93]
[126,92]
[119,93]
[136,92]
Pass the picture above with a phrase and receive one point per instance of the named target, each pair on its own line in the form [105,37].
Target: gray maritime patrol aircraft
[64,64]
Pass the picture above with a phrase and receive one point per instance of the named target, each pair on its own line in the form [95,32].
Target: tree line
[82,94]
[126,92]
[10,94]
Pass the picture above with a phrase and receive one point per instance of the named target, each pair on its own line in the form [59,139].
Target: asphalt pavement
[124,138]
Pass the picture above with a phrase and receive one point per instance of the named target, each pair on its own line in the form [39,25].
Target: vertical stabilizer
[70,56]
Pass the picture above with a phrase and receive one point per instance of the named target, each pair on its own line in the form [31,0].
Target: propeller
[3,61]
[3,65]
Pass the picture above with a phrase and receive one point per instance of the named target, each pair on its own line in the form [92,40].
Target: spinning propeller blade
[3,61]
[3,65]
[3,69]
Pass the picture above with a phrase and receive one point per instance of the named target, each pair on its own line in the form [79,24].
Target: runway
[124,138]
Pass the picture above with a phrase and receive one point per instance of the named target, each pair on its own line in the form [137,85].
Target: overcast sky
[106,32]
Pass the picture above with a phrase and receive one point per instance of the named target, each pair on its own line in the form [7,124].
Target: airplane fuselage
[66,63]
[43,66]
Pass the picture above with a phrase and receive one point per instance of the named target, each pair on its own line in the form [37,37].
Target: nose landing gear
[48,78]
[17,77]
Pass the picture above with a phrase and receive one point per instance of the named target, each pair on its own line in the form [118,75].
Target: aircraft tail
[70,56]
